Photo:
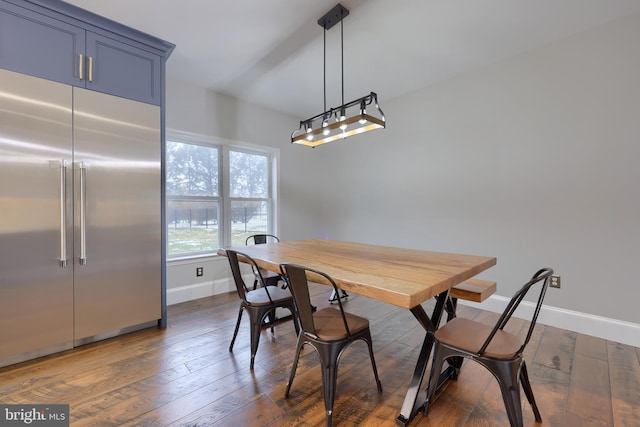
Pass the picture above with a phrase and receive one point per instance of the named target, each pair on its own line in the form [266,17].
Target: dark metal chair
[495,349]
[260,239]
[270,277]
[329,331]
[259,302]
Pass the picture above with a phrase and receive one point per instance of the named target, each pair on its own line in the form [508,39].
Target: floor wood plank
[185,375]
[625,383]
[590,383]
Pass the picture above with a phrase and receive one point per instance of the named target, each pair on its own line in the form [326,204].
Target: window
[249,195]
[193,201]
[204,215]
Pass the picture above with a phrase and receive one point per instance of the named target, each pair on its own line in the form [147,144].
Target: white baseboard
[588,324]
[198,290]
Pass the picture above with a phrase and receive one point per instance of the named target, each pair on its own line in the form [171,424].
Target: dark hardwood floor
[185,376]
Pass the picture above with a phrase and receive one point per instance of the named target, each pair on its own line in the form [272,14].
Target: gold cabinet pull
[80,67]
[91,68]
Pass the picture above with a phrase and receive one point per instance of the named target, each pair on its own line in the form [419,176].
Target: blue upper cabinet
[57,41]
[119,69]
[40,46]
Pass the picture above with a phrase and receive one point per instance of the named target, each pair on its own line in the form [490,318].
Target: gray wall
[531,160]
[197,111]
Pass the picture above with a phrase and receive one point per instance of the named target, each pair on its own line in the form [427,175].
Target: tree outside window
[197,219]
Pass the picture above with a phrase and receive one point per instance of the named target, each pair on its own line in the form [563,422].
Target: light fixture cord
[325,67]
[342,51]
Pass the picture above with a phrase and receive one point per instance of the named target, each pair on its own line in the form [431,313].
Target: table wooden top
[402,277]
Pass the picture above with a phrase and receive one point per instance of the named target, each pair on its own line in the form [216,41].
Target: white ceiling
[270,52]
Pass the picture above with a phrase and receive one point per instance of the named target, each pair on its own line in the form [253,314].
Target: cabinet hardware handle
[63,213]
[83,214]
[80,67]
[91,68]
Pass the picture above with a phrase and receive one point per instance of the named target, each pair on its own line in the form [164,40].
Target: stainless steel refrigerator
[80,224]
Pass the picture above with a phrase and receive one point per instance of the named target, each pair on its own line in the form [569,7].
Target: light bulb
[309,132]
[343,126]
[363,111]
[325,129]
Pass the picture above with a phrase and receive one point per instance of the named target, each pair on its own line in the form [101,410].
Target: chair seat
[259,296]
[269,276]
[470,335]
[330,326]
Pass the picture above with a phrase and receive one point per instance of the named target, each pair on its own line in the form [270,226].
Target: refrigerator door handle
[83,214]
[63,213]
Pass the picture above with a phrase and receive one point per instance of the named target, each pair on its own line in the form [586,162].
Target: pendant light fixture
[348,119]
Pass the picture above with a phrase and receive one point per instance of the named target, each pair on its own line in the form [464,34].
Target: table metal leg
[416,396]
[334,296]
[456,362]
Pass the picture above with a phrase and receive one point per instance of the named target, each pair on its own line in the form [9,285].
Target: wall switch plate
[555,281]
[199,271]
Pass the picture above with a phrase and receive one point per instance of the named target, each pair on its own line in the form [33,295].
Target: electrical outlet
[199,271]
[555,281]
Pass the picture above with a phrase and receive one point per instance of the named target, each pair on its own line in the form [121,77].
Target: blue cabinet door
[40,43]
[120,69]
[37,45]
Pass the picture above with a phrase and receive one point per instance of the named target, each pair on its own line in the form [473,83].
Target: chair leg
[373,363]
[329,384]
[235,333]
[507,374]
[295,364]
[272,318]
[256,317]
[526,386]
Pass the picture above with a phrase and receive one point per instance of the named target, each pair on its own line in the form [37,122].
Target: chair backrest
[543,275]
[241,287]
[296,277]
[259,239]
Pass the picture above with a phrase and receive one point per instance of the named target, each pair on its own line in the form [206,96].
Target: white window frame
[224,199]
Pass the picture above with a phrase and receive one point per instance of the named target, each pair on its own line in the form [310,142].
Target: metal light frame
[335,123]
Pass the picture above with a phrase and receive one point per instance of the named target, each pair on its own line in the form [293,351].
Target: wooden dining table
[403,277]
